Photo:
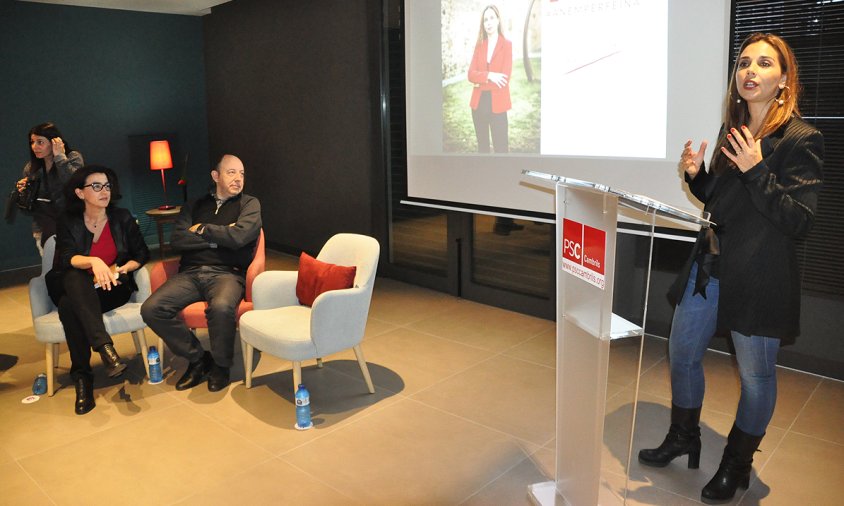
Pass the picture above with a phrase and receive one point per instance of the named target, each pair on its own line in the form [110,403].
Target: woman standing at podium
[762,191]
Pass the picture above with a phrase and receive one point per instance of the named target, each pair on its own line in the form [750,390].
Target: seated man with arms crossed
[216,236]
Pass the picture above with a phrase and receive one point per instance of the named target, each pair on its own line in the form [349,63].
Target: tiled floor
[463,414]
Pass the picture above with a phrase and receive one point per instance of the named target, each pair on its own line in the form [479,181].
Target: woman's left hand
[58,146]
[748,151]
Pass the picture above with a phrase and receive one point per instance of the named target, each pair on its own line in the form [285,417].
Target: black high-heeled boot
[683,439]
[84,394]
[734,471]
[114,367]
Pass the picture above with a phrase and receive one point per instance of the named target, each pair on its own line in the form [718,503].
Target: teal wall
[101,75]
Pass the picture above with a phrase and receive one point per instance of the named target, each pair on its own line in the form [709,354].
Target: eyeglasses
[98,187]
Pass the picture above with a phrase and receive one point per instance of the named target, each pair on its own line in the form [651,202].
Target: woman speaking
[762,191]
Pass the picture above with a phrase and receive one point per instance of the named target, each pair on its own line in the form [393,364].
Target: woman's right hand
[691,161]
[103,274]
[497,78]
[21,184]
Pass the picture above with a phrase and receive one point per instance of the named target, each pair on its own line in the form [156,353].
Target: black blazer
[73,238]
[759,214]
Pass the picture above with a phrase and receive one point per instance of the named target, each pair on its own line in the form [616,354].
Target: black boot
[734,471]
[196,373]
[84,394]
[114,367]
[683,438]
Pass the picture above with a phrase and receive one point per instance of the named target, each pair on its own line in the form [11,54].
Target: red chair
[194,314]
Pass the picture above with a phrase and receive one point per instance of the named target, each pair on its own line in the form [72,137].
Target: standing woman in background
[99,246]
[489,72]
[51,162]
[762,193]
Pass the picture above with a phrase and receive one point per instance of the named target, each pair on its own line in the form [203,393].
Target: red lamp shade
[159,155]
[160,159]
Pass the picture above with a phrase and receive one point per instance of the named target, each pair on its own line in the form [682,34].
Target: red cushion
[316,277]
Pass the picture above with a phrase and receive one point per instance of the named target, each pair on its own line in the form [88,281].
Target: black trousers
[81,308]
[221,288]
[487,122]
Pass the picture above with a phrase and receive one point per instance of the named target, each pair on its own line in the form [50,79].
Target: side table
[162,217]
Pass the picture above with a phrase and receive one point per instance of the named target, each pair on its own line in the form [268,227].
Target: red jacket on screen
[479,69]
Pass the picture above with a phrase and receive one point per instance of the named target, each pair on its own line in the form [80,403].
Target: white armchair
[48,327]
[280,326]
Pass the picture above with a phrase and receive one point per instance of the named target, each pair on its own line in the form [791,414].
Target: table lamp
[160,159]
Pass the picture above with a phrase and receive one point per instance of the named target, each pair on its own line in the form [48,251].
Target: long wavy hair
[736,112]
[481,31]
[50,131]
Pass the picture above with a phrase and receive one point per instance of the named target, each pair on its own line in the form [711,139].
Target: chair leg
[55,355]
[141,345]
[161,352]
[297,375]
[319,362]
[364,369]
[248,351]
[50,355]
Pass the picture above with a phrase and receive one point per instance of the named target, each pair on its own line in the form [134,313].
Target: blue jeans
[694,324]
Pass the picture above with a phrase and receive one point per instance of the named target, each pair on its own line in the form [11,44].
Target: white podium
[587,215]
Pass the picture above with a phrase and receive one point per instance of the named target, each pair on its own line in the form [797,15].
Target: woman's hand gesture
[748,151]
[691,161]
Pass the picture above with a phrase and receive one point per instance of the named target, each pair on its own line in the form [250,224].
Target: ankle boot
[683,439]
[734,471]
[111,360]
[84,394]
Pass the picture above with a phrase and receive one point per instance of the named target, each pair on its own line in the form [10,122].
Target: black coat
[758,216]
[73,238]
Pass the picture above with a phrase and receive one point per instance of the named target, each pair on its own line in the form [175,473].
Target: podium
[587,216]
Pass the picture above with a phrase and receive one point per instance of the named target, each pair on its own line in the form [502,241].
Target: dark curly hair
[76,206]
[50,131]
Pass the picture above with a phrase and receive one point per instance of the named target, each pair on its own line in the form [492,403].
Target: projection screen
[599,90]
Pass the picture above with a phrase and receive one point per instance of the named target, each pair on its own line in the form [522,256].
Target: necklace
[96,222]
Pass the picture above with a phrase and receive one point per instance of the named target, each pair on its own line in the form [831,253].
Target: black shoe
[683,439]
[84,394]
[734,471]
[218,378]
[114,367]
[196,373]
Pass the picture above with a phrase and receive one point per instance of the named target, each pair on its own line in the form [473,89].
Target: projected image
[605,83]
[491,85]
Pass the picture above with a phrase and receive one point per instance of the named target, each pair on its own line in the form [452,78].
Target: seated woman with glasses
[98,247]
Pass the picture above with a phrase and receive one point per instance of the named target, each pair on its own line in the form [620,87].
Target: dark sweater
[759,214]
[228,236]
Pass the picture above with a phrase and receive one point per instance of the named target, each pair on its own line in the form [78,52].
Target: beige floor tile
[541,349]
[802,470]
[793,389]
[266,413]
[153,460]
[512,487]
[269,482]
[19,488]
[482,326]
[400,303]
[824,413]
[506,394]
[411,361]
[26,429]
[408,453]
[376,327]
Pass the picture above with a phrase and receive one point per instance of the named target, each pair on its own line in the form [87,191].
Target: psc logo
[584,246]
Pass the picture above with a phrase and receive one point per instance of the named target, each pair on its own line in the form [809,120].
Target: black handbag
[26,197]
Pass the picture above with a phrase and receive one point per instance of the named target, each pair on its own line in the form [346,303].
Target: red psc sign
[584,246]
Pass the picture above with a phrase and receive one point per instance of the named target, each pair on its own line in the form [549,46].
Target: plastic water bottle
[154,360]
[39,386]
[303,408]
